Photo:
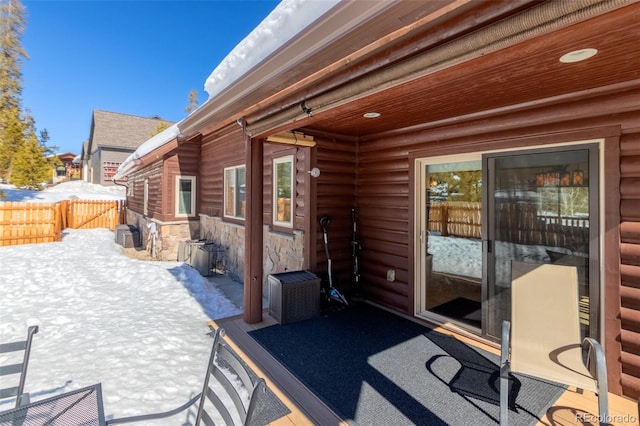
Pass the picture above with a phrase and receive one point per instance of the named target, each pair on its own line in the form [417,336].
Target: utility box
[128,236]
[204,258]
[294,296]
[187,250]
[200,255]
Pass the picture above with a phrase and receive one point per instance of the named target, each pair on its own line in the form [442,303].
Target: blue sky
[139,57]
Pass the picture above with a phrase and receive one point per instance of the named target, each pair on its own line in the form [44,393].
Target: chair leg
[598,367]
[603,395]
[504,374]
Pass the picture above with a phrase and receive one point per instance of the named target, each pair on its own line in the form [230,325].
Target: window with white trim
[283,191]
[185,196]
[235,192]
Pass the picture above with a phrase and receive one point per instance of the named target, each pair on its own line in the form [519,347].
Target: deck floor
[572,408]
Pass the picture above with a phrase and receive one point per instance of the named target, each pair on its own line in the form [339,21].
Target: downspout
[115,182]
[530,23]
[122,214]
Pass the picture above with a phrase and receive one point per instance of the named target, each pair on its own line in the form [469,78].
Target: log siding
[630,262]
[385,199]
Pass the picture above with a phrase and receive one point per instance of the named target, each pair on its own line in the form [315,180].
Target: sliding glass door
[542,208]
[451,250]
[478,213]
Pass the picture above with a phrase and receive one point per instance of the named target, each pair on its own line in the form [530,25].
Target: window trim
[274,185]
[145,197]
[236,216]
[192,207]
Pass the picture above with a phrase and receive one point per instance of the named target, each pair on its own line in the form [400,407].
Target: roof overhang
[317,50]
[145,160]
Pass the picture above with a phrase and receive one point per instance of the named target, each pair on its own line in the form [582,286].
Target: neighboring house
[499,109]
[113,137]
[67,169]
[84,161]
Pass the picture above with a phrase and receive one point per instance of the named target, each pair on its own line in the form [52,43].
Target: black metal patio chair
[17,369]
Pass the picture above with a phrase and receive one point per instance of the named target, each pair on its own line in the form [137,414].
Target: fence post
[444,219]
[59,221]
[64,210]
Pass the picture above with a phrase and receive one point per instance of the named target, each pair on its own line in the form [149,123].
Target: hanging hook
[305,108]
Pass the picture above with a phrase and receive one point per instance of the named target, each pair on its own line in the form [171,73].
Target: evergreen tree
[193,101]
[50,151]
[12,123]
[30,168]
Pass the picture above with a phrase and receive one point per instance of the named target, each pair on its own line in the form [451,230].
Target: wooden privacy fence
[456,218]
[26,223]
[524,224]
[520,223]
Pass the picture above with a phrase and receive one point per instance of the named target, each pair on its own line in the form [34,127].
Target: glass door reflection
[540,211]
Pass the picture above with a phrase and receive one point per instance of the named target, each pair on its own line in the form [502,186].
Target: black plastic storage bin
[294,296]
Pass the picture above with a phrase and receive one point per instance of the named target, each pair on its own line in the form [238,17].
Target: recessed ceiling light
[577,55]
[371,115]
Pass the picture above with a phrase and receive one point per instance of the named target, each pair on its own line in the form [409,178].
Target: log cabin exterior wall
[335,196]
[185,162]
[219,150]
[630,261]
[514,97]
[161,177]
[135,198]
[385,201]
[284,248]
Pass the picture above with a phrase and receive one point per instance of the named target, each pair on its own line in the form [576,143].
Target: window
[235,192]
[283,190]
[185,195]
[110,168]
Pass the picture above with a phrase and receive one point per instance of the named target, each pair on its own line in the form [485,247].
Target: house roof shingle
[117,130]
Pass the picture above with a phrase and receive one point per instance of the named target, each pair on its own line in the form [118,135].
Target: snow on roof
[162,138]
[288,19]
[281,25]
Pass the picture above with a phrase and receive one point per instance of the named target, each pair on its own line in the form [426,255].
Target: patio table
[81,407]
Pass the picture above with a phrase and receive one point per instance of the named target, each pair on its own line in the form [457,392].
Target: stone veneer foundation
[282,252]
[169,234]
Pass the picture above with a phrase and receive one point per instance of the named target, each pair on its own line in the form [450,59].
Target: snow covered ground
[77,188]
[137,327]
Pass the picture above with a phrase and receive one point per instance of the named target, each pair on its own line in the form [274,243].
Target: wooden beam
[253,239]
